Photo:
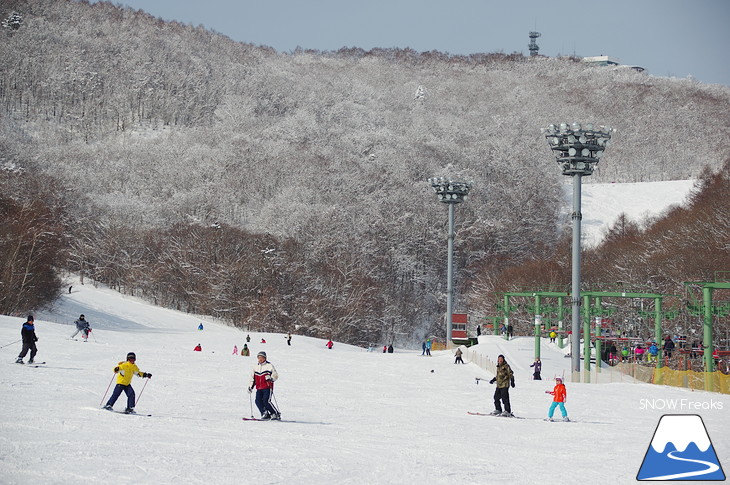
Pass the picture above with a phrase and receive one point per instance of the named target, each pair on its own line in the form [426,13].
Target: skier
[504,378]
[423,348]
[559,396]
[244,351]
[653,352]
[538,368]
[126,370]
[29,340]
[262,378]
[198,348]
[429,344]
[235,350]
[458,359]
[553,335]
[288,339]
[248,338]
[200,327]
[82,326]
[329,344]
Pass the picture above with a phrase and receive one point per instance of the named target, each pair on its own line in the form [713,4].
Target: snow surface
[601,204]
[357,417]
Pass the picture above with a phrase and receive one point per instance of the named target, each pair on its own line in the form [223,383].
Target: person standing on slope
[504,378]
[82,326]
[126,370]
[559,396]
[262,378]
[29,340]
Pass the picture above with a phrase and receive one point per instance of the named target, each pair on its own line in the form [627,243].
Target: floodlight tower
[533,44]
[577,150]
[451,193]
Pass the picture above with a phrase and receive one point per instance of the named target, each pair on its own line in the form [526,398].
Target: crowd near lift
[551,307]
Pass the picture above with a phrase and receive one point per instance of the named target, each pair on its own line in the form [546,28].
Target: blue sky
[667,37]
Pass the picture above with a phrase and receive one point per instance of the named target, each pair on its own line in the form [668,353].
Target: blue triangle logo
[681,450]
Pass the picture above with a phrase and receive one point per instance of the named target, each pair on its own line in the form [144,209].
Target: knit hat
[131,355]
[30,318]
[261,354]
[559,379]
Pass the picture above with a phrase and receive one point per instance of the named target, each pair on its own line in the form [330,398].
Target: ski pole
[11,343]
[92,334]
[107,389]
[140,392]
[250,400]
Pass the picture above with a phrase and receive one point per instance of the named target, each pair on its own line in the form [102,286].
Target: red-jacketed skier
[262,378]
[560,394]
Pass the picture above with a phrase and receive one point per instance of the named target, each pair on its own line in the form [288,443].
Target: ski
[259,419]
[122,412]
[494,415]
[32,364]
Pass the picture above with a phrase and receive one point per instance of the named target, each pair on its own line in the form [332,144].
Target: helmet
[131,355]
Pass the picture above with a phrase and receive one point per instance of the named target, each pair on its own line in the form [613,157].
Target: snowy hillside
[601,204]
[355,417]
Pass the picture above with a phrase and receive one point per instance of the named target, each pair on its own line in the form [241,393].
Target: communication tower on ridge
[533,45]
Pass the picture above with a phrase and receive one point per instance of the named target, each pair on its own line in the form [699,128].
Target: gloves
[116,369]
[494,379]
[250,389]
[269,379]
[512,382]
[147,375]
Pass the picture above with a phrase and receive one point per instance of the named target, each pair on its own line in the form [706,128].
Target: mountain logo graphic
[681,450]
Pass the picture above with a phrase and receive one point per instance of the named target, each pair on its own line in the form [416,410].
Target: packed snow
[350,416]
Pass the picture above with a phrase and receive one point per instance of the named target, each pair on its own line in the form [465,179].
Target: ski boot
[19,361]
[108,407]
[276,417]
[549,419]
[507,414]
[266,416]
[31,361]
[566,419]
[496,413]
[130,411]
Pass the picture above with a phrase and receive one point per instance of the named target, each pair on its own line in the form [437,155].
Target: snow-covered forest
[286,191]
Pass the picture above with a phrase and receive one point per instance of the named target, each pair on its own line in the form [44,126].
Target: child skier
[29,339]
[126,371]
[83,326]
[262,378]
[559,395]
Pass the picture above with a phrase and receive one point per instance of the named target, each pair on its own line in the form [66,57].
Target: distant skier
[538,368]
[553,335]
[248,338]
[390,349]
[559,397]
[198,348]
[29,340]
[288,339]
[458,359]
[653,352]
[235,350]
[429,344]
[262,378]
[329,344]
[244,351]
[200,327]
[504,379]
[126,370]
[82,326]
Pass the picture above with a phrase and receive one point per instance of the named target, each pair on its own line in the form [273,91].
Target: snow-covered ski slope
[360,417]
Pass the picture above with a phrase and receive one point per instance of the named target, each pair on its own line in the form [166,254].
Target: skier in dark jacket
[29,340]
[504,379]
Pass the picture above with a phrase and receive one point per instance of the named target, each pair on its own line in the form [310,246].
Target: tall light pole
[450,192]
[577,150]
